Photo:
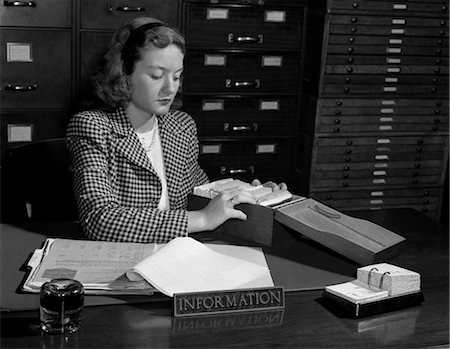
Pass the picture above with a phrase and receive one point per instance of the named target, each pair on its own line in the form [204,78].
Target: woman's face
[156,79]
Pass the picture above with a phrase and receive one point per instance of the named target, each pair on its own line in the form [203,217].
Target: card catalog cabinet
[241,84]
[374,128]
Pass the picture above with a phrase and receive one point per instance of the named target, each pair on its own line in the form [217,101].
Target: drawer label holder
[228,301]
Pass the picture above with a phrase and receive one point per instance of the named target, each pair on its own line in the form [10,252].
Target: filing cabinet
[374,126]
[242,80]
[35,70]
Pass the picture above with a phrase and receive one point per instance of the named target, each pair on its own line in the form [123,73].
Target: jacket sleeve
[101,214]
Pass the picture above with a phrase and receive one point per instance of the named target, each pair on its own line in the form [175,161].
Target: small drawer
[241,72]
[390,20]
[20,127]
[247,159]
[219,116]
[395,42]
[400,7]
[35,69]
[36,13]
[244,26]
[344,46]
[105,14]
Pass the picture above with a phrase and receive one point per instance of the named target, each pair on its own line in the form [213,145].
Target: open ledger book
[117,268]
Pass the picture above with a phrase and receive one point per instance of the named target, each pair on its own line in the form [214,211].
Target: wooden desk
[304,323]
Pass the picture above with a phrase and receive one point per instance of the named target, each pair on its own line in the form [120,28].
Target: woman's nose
[169,85]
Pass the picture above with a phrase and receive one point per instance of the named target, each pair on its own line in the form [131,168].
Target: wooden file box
[357,239]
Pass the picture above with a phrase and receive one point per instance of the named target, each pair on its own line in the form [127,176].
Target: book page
[186,265]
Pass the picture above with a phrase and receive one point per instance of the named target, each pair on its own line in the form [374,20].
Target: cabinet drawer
[387,30]
[386,60]
[347,173]
[389,90]
[36,13]
[40,77]
[106,14]
[383,141]
[385,105]
[244,26]
[398,7]
[412,124]
[422,199]
[386,48]
[418,42]
[438,81]
[32,126]
[391,20]
[375,182]
[245,72]
[387,69]
[218,116]
[373,164]
[381,156]
[265,159]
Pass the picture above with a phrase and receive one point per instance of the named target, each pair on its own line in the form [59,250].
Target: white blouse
[151,142]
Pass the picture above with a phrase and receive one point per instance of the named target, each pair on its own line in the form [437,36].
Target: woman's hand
[219,209]
[270,184]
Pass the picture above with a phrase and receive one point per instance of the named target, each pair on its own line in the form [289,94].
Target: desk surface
[304,323]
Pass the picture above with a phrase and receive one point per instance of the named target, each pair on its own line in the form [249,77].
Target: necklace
[148,138]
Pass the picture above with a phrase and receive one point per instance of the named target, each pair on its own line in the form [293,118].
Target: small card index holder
[378,288]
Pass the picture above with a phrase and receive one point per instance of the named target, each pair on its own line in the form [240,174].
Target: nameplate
[233,301]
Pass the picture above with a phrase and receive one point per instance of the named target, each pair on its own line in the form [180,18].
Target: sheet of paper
[186,265]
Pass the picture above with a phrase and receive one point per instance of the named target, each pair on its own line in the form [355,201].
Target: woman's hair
[111,83]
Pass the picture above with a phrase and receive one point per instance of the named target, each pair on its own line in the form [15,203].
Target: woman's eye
[156,77]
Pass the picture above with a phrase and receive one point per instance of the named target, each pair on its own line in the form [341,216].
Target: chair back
[37,183]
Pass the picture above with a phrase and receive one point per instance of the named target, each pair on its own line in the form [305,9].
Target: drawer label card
[382,157]
[211,149]
[377,202]
[266,148]
[398,31]
[395,41]
[383,141]
[391,80]
[390,60]
[394,50]
[216,13]
[19,52]
[269,105]
[20,133]
[275,16]
[377,193]
[399,6]
[379,173]
[211,105]
[386,119]
[385,128]
[398,21]
[272,61]
[220,60]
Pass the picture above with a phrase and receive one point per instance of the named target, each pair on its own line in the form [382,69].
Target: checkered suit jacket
[115,185]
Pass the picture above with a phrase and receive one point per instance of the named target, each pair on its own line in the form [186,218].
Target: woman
[135,159]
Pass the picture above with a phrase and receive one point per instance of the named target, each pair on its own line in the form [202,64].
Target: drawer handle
[129,8]
[258,39]
[244,84]
[225,171]
[19,3]
[20,88]
[241,128]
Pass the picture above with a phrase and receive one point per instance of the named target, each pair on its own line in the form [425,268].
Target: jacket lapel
[169,132]
[127,142]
